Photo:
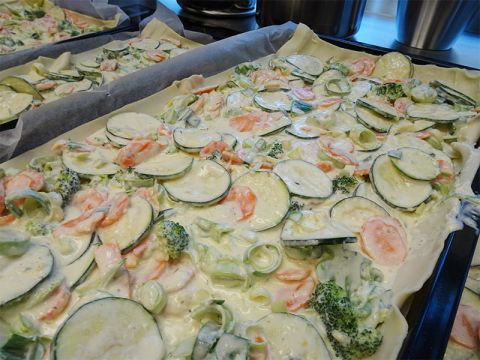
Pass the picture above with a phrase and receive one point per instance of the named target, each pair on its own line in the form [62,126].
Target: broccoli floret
[344,183]
[36,228]
[341,321]
[176,236]
[67,183]
[276,150]
[391,91]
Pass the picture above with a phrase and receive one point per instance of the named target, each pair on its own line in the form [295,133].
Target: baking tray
[136,10]
[433,308]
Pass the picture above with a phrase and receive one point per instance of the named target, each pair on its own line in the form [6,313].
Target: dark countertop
[376,33]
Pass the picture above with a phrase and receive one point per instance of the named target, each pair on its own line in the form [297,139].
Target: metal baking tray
[432,310]
[136,10]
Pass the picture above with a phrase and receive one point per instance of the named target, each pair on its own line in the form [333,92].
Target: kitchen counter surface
[377,33]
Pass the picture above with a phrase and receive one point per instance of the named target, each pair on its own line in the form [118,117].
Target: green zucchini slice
[131,228]
[415,163]
[73,87]
[313,228]
[395,188]
[193,140]
[301,130]
[393,66]
[28,270]
[306,63]
[231,347]
[130,125]
[354,211]
[206,183]
[273,101]
[96,162]
[166,166]
[304,179]
[275,127]
[432,112]
[385,110]
[21,86]
[13,104]
[273,198]
[451,95]
[339,86]
[116,141]
[372,120]
[78,271]
[110,317]
[279,328]
[145,44]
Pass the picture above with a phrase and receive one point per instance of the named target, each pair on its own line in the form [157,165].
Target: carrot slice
[383,239]
[245,198]
[301,295]
[466,327]
[213,146]
[293,275]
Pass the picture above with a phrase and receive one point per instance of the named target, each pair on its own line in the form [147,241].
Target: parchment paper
[51,120]
[97,8]
[419,266]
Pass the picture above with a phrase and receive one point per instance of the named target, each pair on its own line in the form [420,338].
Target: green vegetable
[276,150]
[341,321]
[217,312]
[22,348]
[67,183]
[131,181]
[13,243]
[245,68]
[212,229]
[391,91]
[37,228]
[41,199]
[264,258]
[152,296]
[344,183]
[176,236]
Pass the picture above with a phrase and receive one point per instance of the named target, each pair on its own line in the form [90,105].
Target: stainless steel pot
[340,18]
[433,24]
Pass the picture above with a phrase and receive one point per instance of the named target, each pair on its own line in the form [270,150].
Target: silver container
[340,18]
[433,24]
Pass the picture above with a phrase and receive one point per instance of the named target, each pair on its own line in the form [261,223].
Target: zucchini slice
[116,141]
[451,95]
[306,63]
[275,127]
[78,271]
[415,163]
[131,228]
[206,183]
[273,101]
[432,112]
[73,87]
[193,140]
[339,86]
[110,318]
[28,270]
[382,109]
[273,198]
[145,44]
[304,179]
[96,162]
[166,166]
[304,131]
[393,66]
[230,140]
[279,328]
[372,120]
[231,347]
[364,139]
[354,211]
[396,189]
[12,104]
[314,228]
[130,125]
[21,86]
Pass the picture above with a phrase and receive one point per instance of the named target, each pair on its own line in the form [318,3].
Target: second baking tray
[432,311]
